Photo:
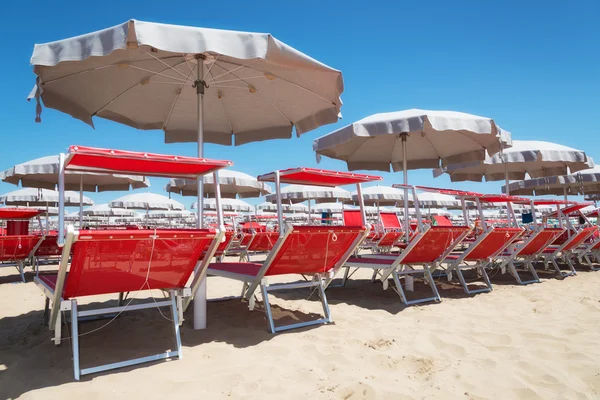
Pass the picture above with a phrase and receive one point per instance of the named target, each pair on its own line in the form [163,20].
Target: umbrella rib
[167,65]
[226,70]
[124,92]
[295,84]
[224,108]
[174,102]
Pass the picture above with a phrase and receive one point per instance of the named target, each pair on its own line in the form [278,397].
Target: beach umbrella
[196,84]
[380,195]
[227,204]
[585,182]
[413,139]
[300,193]
[232,184]
[287,208]
[537,159]
[31,197]
[146,201]
[438,200]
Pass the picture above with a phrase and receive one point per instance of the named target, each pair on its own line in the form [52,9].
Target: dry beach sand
[541,341]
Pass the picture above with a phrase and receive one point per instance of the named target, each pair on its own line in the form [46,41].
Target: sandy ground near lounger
[536,342]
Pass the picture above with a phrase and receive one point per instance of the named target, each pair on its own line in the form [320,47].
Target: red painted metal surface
[452,192]
[49,247]
[580,238]
[442,220]
[540,242]
[92,159]
[18,213]
[309,250]
[113,261]
[263,241]
[322,177]
[17,247]
[433,244]
[494,242]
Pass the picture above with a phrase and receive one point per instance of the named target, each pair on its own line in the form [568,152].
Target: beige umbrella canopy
[232,184]
[42,197]
[150,76]
[43,173]
[580,183]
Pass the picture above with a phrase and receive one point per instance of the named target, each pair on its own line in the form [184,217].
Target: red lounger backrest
[432,245]
[17,247]
[493,243]
[389,220]
[49,247]
[245,239]
[352,218]
[540,241]
[113,261]
[263,241]
[442,220]
[314,249]
[226,240]
[579,238]
[389,238]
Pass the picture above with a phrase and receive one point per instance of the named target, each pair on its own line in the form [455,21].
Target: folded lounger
[567,250]
[121,261]
[425,249]
[528,252]
[306,250]
[480,254]
[261,242]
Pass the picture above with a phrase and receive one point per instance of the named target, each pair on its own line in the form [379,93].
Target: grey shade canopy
[582,182]
[41,198]
[300,193]
[375,142]
[232,184]
[287,208]
[143,74]
[146,201]
[226,204]
[535,158]
[380,195]
[43,173]
[103,210]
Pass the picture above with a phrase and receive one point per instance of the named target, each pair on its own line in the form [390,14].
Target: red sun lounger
[567,250]
[528,252]
[590,250]
[121,261]
[480,254]
[16,250]
[261,242]
[306,250]
[426,249]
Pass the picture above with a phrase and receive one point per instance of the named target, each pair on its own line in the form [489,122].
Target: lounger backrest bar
[579,238]
[352,218]
[496,241]
[17,247]
[542,240]
[390,220]
[314,249]
[263,241]
[114,261]
[429,246]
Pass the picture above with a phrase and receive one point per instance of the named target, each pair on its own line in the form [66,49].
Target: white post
[506,181]
[81,201]
[200,295]
[279,206]
[404,137]
[535,224]
[465,212]
[309,222]
[361,204]
[61,199]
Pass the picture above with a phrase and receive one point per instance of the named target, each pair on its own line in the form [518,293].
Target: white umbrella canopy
[381,195]
[232,184]
[146,201]
[226,204]
[583,182]
[145,74]
[170,214]
[526,157]
[287,208]
[41,198]
[104,210]
[438,200]
[300,193]
[413,139]
[43,173]
[432,211]
[339,207]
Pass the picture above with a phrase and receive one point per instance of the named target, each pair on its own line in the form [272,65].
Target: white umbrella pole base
[409,284]
[200,306]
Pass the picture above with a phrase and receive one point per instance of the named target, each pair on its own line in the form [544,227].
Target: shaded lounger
[306,250]
[120,261]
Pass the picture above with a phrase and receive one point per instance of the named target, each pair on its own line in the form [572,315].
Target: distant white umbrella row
[232,184]
[41,197]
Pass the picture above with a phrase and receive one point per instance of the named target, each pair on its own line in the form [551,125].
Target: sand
[540,341]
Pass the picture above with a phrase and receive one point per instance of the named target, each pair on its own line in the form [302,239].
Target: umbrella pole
[404,136]
[309,219]
[80,201]
[279,205]
[506,181]
[200,295]
[61,199]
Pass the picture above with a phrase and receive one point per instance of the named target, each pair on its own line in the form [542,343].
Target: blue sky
[533,66]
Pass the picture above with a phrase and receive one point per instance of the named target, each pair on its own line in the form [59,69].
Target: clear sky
[533,66]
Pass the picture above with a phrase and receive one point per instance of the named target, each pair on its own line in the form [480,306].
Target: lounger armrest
[72,236]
